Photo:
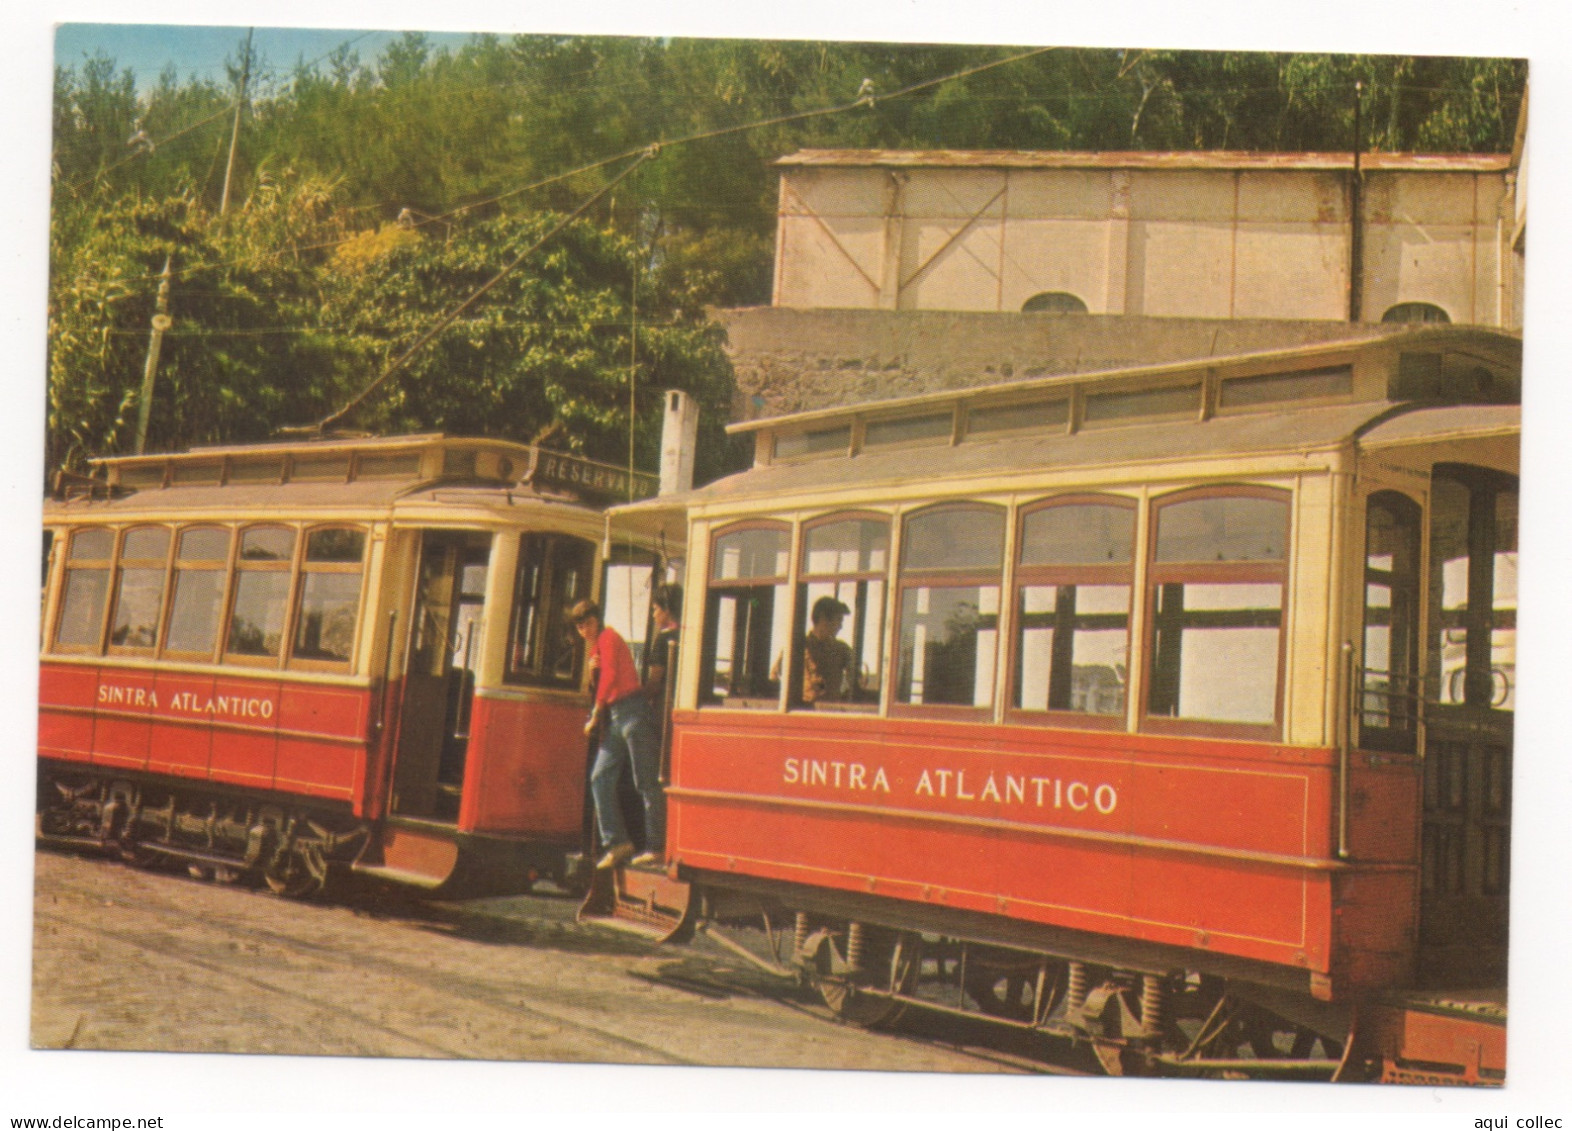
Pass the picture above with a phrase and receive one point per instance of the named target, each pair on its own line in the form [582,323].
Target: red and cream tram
[279,659]
[1171,708]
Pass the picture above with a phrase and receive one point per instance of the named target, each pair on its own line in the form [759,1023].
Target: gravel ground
[133,960]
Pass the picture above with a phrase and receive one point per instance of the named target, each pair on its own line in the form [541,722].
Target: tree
[582,335]
[245,350]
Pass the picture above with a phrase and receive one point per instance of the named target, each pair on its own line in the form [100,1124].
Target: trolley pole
[155,342]
[234,135]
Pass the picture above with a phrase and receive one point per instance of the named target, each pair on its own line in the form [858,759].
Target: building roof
[1193,159]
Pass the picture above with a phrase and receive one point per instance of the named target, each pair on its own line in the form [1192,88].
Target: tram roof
[284,499]
[1381,423]
[1454,348]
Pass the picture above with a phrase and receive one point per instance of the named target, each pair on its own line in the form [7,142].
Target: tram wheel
[1007,987]
[887,960]
[300,875]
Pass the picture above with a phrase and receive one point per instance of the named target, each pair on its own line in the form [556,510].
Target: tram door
[439,683]
[1471,639]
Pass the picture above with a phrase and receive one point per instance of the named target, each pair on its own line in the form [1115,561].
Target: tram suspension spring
[1152,1003]
[854,946]
[799,934]
[1075,989]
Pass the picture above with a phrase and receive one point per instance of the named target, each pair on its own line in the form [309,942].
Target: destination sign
[588,477]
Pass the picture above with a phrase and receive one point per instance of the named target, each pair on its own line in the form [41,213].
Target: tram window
[85,591]
[145,476]
[824,441]
[845,563]
[628,583]
[908,430]
[319,467]
[139,589]
[196,474]
[1271,388]
[1473,588]
[1073,608]
[399,465]
[459,464]
[747,616]
[197,595]
[262,577]
[996,420]
[1388,695]
[256,471]
[1116,408]
[329,595]
[1219,573]
[554,571]
[952,560]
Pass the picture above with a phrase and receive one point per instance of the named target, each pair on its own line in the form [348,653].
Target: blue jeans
[629,735]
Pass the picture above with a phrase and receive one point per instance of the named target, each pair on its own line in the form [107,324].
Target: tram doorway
[1472,641]
[439,683]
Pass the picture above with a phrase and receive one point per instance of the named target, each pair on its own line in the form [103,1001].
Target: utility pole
[1356,227]
[234,135]
[155,342]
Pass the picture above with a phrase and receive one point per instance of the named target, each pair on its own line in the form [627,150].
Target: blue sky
[147,49]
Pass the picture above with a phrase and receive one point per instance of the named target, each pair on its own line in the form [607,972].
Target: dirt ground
[132,960]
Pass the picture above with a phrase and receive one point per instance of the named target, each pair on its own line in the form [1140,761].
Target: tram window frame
[639,571]
[1397,701]
[244,567]
[541,615]
[1162,575]
[141,564]
[1481,618]
[182,566]
[1061,576]
[921,581]
[311,568]
[864,691]
[81,564]
[761,667]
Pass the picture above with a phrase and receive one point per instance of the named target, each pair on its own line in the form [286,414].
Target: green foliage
[558,341]
[245,352]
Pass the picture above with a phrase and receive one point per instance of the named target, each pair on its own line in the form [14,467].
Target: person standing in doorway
[666,612]
[627,738]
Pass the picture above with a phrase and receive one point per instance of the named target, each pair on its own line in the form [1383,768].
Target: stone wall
[789,360]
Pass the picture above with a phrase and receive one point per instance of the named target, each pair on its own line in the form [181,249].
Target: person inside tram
[628,737]
[828,671]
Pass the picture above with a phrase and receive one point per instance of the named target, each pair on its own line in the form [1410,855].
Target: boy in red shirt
[627,736]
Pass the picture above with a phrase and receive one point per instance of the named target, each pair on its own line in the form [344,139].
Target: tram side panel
[259,733]
[1216,847]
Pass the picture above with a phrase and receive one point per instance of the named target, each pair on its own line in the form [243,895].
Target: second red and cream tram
[1176,714]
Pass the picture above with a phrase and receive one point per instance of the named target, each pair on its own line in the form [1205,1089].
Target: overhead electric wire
[639,157]
[447,319]
[704,135]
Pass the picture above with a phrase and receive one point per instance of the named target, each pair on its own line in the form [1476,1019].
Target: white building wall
[1206,243]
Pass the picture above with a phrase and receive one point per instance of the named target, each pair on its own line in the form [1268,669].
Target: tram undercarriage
[1134,1014]
[146,820]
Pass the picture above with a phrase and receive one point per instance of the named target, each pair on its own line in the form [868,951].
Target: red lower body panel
[525,767]
[1209,845]
[260,732]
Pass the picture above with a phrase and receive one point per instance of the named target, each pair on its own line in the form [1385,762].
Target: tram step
[402,876]
[643,901]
